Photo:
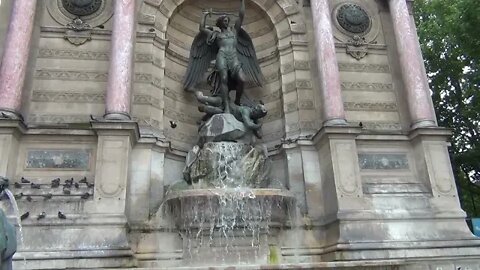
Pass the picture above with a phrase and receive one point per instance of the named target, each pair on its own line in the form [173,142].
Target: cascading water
[225,217]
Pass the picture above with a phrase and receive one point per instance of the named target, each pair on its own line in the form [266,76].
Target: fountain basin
[230,208]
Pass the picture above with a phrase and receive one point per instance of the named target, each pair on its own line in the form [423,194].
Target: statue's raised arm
[241,15]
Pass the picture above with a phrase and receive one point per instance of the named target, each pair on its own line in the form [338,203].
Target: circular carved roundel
[82,7]
[353,18]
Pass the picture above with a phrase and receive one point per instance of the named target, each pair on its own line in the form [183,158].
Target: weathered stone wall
[373,189]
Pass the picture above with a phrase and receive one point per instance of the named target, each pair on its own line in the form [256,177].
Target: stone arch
[289,56]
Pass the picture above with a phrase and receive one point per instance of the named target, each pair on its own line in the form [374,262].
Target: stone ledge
[370,265]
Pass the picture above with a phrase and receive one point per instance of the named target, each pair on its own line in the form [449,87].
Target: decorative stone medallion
[353,18]
[82,7]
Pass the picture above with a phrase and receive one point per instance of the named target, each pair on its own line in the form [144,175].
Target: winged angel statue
[235,59]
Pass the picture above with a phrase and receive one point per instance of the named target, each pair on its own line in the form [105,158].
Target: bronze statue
[247,114]
[8,238]
[235,59]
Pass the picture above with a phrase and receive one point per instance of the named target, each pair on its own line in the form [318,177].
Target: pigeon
[25,181]
[25,216]
[61,215]
[42,215]
[35,186]
[66,191]
[93,118]
[17,185]
[29,198]
[55,183]
[68,183]
[90,185]
[76,185]
[85,196]
[360,124]
[173,124]
[18,196]
[48,196]
[83,180]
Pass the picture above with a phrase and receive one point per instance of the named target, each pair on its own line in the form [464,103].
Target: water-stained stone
[229,164]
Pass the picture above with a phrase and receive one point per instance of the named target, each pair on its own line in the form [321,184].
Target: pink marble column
[334,112]
[413,73]
[120,76]
[15,57]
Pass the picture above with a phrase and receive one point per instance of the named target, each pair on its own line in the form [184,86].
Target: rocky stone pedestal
[229,164]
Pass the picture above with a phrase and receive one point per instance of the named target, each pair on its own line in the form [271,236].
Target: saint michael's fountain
[314,146]
[228,203]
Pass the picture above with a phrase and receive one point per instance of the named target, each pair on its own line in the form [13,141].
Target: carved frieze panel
[383,161]
[386,126]
[68,159]
[68,97]
[59,118]
[373,106]
[364,86]
[360,67]
[77,75]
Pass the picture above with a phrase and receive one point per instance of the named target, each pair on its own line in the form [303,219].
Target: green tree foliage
[449,35]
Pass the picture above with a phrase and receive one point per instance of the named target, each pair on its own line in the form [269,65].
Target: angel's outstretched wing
[201,54]
[248,58]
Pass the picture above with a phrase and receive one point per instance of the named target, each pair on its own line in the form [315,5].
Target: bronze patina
[235,58]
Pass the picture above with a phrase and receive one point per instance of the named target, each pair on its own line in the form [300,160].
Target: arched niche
[278,32]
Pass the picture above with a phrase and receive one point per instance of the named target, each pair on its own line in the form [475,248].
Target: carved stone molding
[387,126]
[78,32]
[291,107]
[359,67]
[289,87]
[58,159]
[72,54]
[302,65]
[59,119]
[374,106]
[67,97]
[383,161]
[342,151]
[358,47]
[76,75]
[88,97]
[71,75]
[306,104]
[363,86]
